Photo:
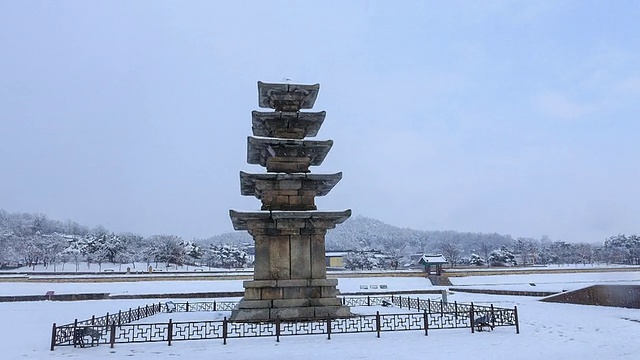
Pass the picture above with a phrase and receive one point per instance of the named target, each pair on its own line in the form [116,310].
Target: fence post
[455,306]
[53,336]
[328,326]
[224,331]
[493,318]
[426,323]
[170,332]
[441,308]
[93,319]
[215,306]
[112,337]
[277,328]
[368,301]
[378,323]
[400,301]
[392,298]
[106,320]
[187,310]
[119,317]
[408,302]
[471,318]
[418,300]
[130,319]
[344,300]
[429,306]
[75,331]
[515,313]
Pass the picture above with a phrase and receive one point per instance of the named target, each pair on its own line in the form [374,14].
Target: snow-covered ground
[548,330]
[166,287]
[546,282]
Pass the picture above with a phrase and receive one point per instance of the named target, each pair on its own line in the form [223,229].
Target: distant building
[432,263]
[335,259]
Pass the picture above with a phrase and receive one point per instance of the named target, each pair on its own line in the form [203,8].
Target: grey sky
[493,116]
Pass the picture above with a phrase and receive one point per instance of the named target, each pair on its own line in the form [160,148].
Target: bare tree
[485,250]
[451,251]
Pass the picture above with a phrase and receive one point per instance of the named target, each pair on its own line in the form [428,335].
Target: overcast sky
[516,117]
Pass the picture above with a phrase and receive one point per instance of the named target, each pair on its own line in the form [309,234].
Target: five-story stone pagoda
[290,279]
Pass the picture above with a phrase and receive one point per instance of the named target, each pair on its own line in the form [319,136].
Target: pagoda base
[266,300]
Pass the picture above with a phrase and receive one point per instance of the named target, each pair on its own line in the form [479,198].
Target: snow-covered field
[548,330]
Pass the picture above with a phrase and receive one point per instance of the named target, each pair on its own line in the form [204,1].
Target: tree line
[32,239]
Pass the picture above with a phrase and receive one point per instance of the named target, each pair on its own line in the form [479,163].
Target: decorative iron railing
[428,315]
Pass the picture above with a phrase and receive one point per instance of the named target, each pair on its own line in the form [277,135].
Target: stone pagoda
[290,275]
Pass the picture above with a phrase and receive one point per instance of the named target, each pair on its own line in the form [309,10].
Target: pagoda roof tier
[315,184]
[302,219]
[288,125]
[287,97]
[261,149]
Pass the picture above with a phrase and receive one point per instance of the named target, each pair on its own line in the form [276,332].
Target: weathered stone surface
[261,262]
[271,293]
[260,150]
[318,261]
[333,311]
[287,125]
[250,314]
[279,258]
[328,292]
[287,97]
[291,303]
[300,257]
[259,283]
[290,272]
[323,282]
[325,302]
[292,313]
[267,219]
[292,283]
[251,293]
[255,304]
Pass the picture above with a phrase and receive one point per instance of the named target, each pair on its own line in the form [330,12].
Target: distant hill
[359,232]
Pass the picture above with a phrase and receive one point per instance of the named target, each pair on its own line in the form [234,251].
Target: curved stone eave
[321,183]
[259,149]
[333,218]
[271,94]
[297,125]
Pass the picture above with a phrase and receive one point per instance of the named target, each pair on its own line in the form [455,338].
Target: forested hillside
[29,239]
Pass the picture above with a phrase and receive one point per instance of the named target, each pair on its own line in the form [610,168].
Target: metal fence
[427,315]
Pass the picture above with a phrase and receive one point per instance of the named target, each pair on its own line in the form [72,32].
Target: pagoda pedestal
[289,233]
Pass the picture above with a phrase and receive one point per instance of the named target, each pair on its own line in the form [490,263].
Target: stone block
[318,261]
[255,304]
[333,311]
[261,263]
[252,293]
[271,293]
[323,282]
[279,258]
[290,224]
[325,302]
[298,292]
[300,257]
[328,291]
[293,184]
[250,314]
[259,283]
[292,313]
[292,283]
[284,303]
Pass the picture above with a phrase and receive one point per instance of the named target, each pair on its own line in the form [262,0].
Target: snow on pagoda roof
[432,259]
